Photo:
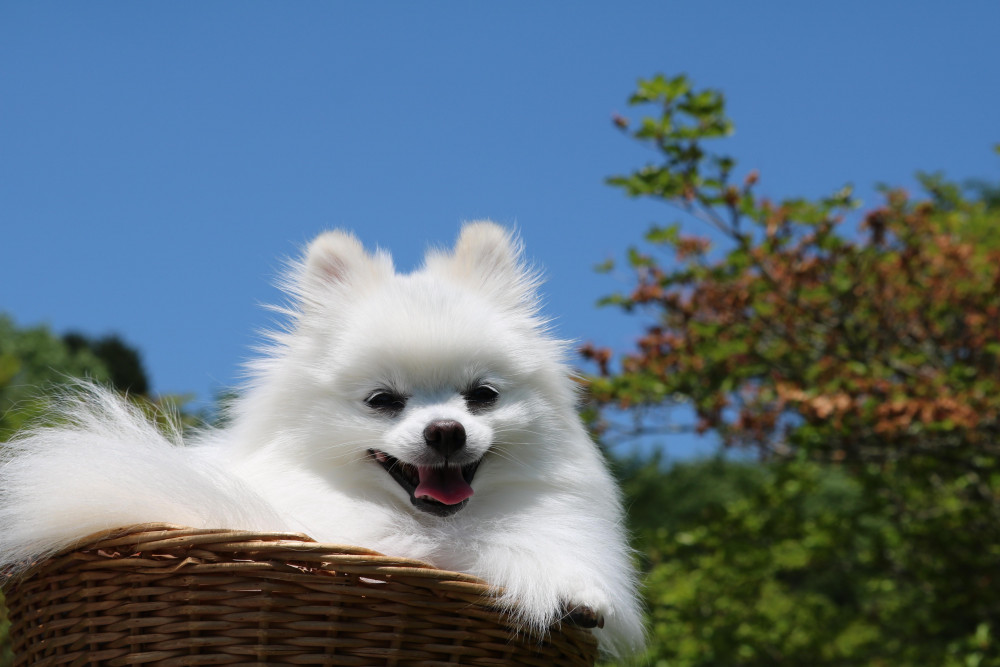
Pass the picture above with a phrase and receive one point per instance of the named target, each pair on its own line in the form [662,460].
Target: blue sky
[157,160]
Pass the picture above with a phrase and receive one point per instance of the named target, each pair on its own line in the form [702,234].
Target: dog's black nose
[445,436]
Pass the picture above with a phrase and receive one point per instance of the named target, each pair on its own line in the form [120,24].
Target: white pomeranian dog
[427,415]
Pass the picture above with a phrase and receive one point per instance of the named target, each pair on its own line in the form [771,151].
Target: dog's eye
[482,396]
[386,401]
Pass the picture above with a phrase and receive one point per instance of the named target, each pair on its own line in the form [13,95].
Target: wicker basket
[164,595]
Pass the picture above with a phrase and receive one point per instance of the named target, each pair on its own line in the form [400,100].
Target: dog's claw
[582,616]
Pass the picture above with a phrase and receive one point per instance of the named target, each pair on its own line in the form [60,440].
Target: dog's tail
[103,465]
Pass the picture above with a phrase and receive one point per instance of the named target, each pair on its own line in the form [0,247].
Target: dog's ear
[489,258]
[337,258]
[333,256]
[487,251]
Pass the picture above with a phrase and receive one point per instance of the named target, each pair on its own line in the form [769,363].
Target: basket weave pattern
[163,595]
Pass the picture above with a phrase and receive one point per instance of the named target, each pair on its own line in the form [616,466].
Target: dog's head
[438,380]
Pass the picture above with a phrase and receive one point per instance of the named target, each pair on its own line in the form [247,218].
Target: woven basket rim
[160,535]
[275,561]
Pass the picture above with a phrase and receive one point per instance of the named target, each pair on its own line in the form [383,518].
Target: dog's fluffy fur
[341,400]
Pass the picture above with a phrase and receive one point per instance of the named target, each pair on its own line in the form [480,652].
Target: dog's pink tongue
[445,485]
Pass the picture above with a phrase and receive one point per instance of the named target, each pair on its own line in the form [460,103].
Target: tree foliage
[33,360]
[6,652]
[125,369]
[868,354]
[804,567]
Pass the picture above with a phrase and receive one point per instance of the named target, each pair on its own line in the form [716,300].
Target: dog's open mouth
[441,491]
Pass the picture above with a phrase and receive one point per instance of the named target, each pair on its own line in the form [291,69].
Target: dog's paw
[582,616]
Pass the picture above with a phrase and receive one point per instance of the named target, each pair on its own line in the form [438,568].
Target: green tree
[667,498]
[123,362]
[869,356]
[33,361]
[6,653]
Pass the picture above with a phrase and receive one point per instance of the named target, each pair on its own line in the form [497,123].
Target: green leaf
[662,235]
